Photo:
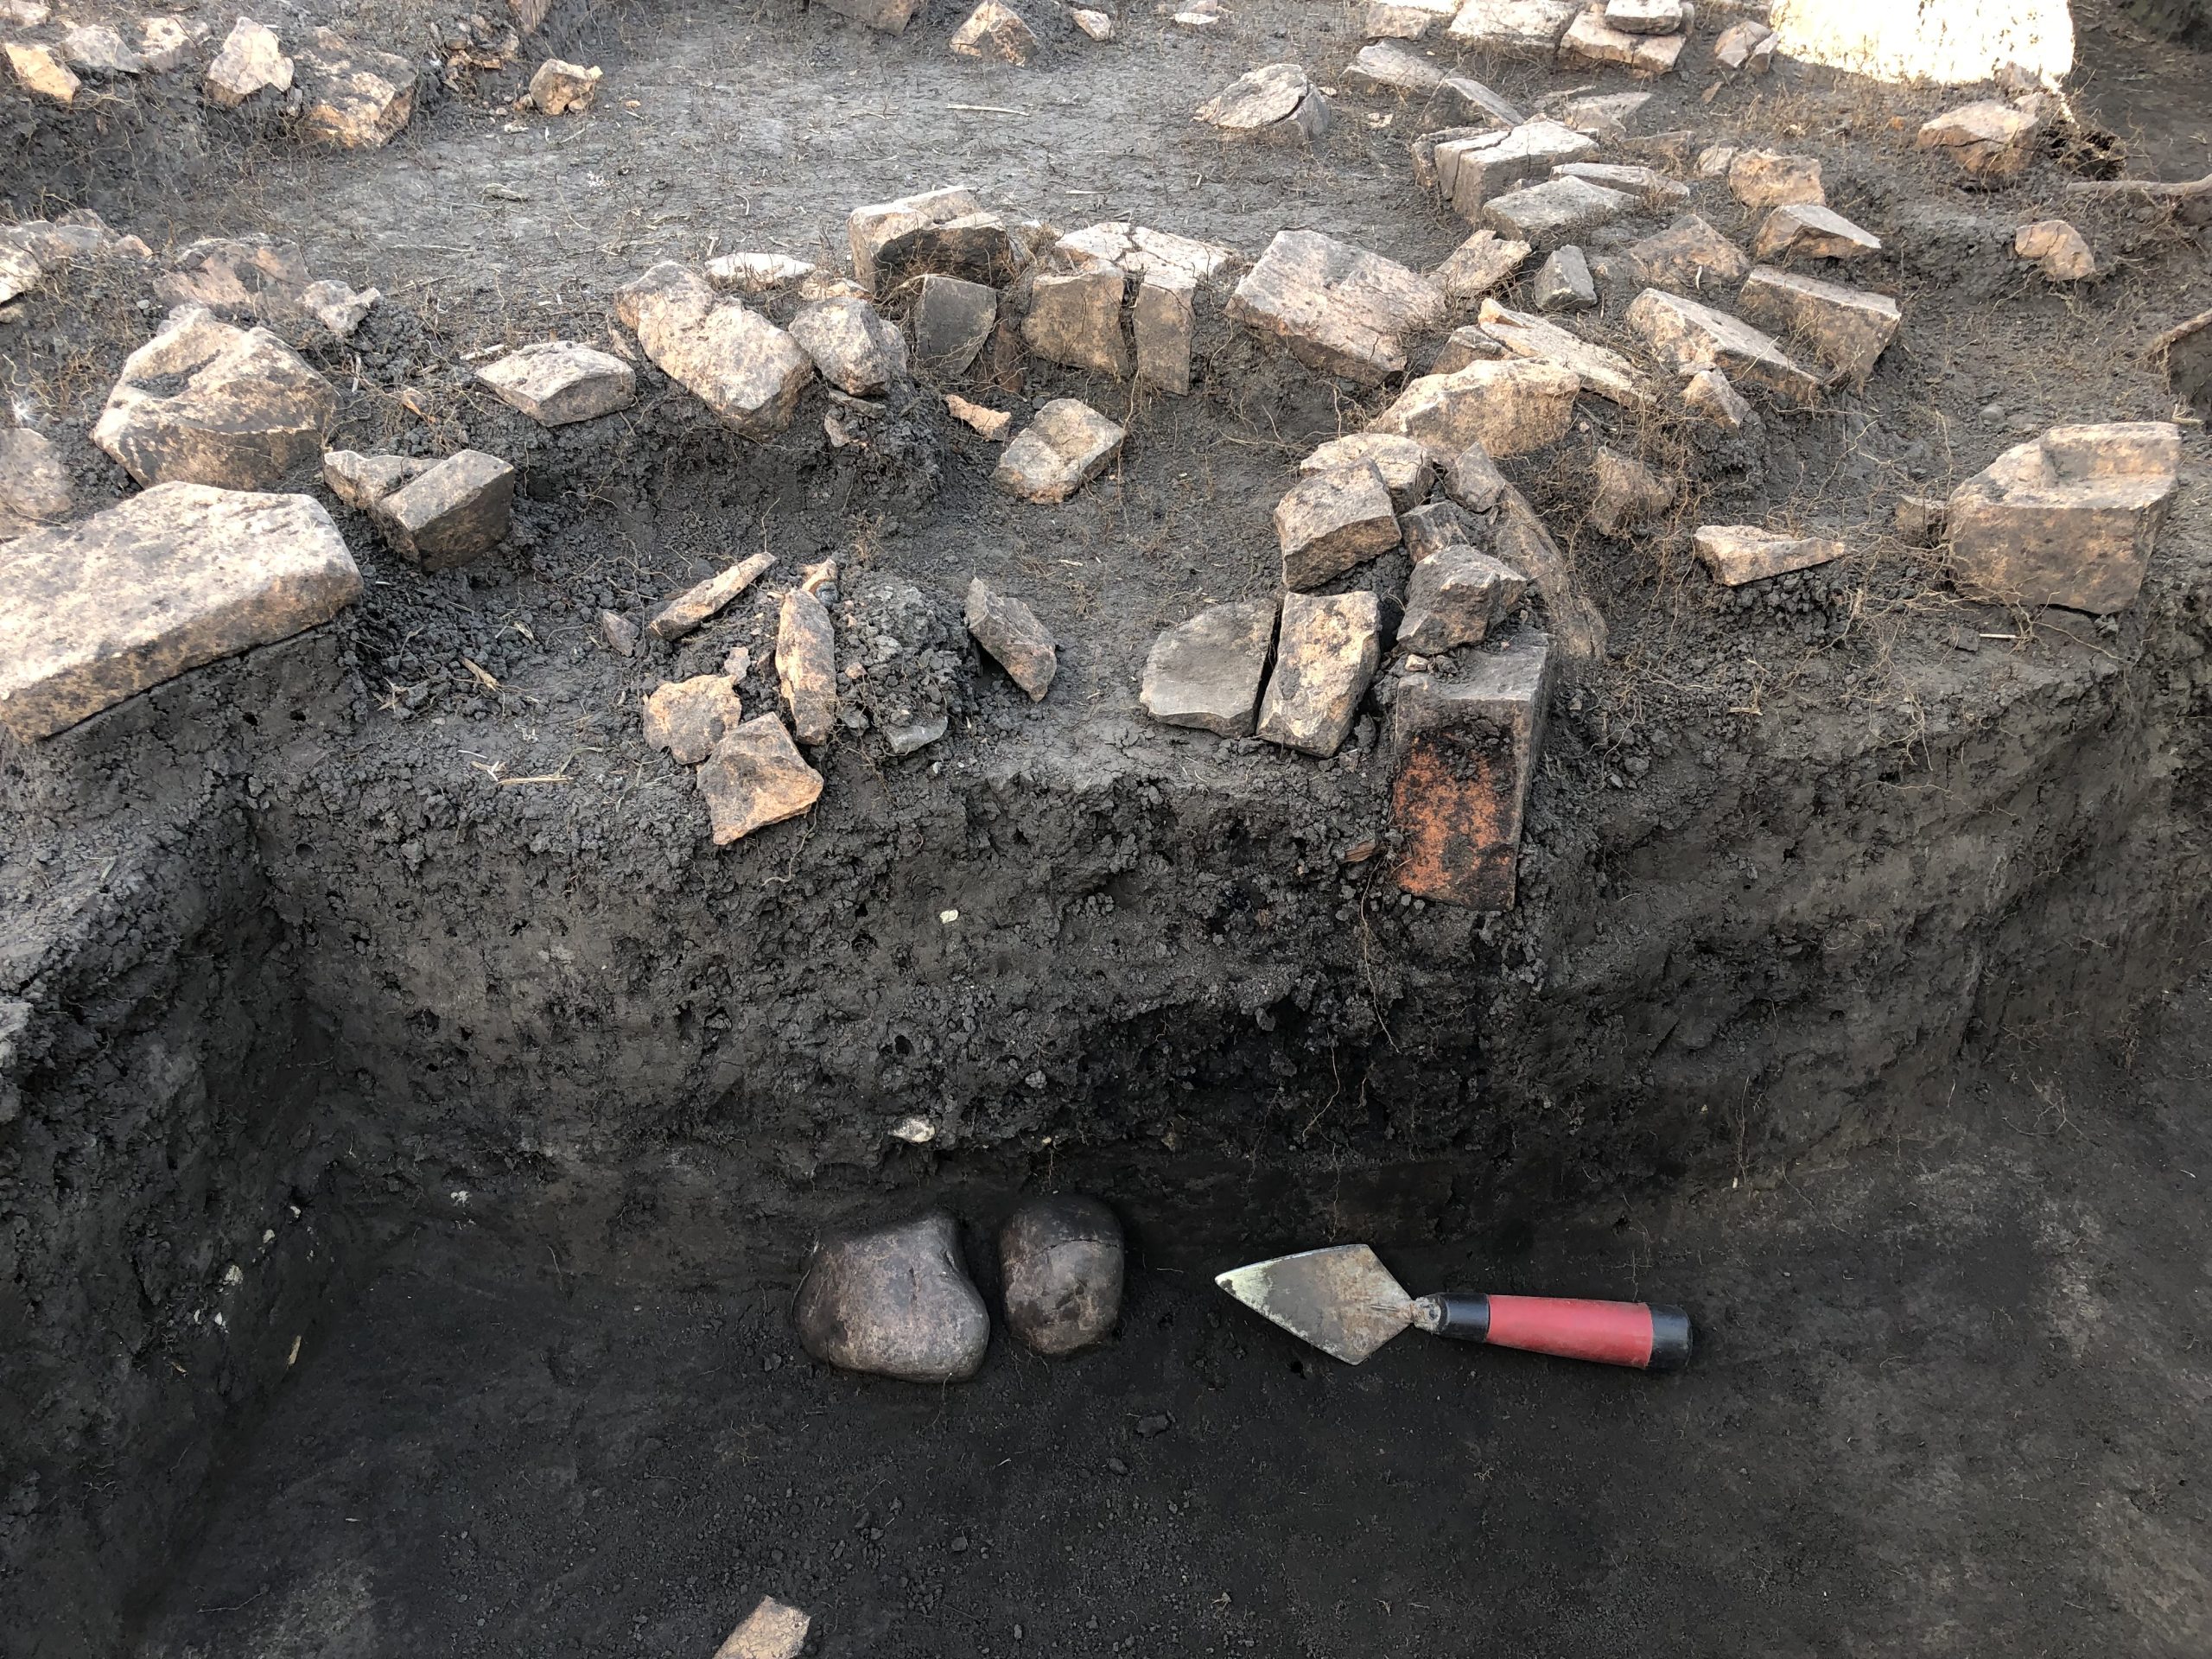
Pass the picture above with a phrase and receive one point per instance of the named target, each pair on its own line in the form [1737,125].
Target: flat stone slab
[1141,252]
[806,665]
[205,403]
[1687,335]
[2069,519]
[866,229]
[1326,655]
[1333,521]
[1472,169]
[1338,309]
[1766,178]
[1592,39]
[772,1631]
[1016,640]
[1387,66]
[1807,230]
[1847,328]
[951,319]
[1277,103]
[1511,407]
[1403,463]
[179,576]
[1164,323]
[743,367]
[1466,749]
[1206,673]
[1075,318]
[1539,339]
[1688,254]
[1557,209]
[1066,445]
[1990,139]
[1736,554]
[1517,28]
[1406,20]
[559,382]
[1647,184]
[1479,264]
[452,513]
[756,777]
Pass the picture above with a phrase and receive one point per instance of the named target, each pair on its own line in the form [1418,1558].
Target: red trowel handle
[1613,1333]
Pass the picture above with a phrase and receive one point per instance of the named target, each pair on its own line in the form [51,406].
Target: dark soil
[1949,1398]
[295,957]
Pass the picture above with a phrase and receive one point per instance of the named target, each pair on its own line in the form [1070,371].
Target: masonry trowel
[1345,1301]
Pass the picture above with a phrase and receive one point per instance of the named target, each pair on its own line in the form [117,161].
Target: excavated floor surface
[1949,1401]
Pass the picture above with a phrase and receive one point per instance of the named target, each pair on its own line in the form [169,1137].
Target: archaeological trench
[667,675]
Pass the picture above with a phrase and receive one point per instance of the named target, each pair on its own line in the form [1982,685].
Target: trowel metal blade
[1342,1299]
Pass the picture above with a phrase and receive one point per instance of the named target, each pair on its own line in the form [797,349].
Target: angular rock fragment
[853,347]
[1098,25]
[1687,335]
[1745,44]
[1017,641]
[995,31]
[1206,673]
[1766,178]
[98,50]
[1468,99]
[1474,481]
[1647,184]
[1522,28]
[1456,599]
[1330,521]
[976,246]
[560,382]
[19,273]
[1991,139]
[1075,318]
[33,483]
[1403,463]
[2069,519]
[2057,249]
[1406,20]
[866,229]
[453,512]
[1630,494]
[24,14]
[558,87]
[1918,520]
[1510,408]
[361,481]
[337,306]
[205,402]
[1138,250]
[952,318]
[247,276]
[895,1301]
[1648,16]
[1326,655]
[687,718]
[770,1631]
[806,666]
[1563,281]
[2185,351]
[1463,344]
[990,422]
[1163,323]
[1591,39]
[352,96]
[621,634]
[1540,214]
[1061,1259]
[1538,340]
[169,44]
[39,69]
[1521,539]
[1806,230]
[743,367]
[702,601]
[1338,309]
[1472,169]
[758,273]
[249,60]
[1065,446]
[1429,530]
[886,16]
[1388,68]
[1707,393]
[1199,14]
[1604,117]
[1688,254]
[1848,328]
[756,777]
[180,576]
[1478,265]
[1736,554]
[1276,103]
[1466,751]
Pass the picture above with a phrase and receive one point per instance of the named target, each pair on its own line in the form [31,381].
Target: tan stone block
[2057,249]
[1591,39]
[352,96]
[249,60]
[1557,210]
[743,367]
[990,422]
[886,16]
[1510,408]
[179,576]
[806,666]
[1473,167]
[39,69]
[687,718]
[1276,103]
[1991,139]
[866,229]
[1330,521]
[1326,655]
[1478,265]
[451,513]
[558,87]
[1206,673]
[205,403]
[1456,599]
[1466,751]
[1514,29]
[1075,318]
[1630,494]
[34,484]
[1406,20]
[1766,178]
[756,777]
[1707,393]
[362,481]
[1848,328]
[1539,339]
[1164,322]
[995,31]
[1687,336]
[1688,254]
[1403,463]
[1337,308]
[1016,640]
[770,1631]
[1065,446]
[1736,554]
[853,347]
[1806,230]
[560,382]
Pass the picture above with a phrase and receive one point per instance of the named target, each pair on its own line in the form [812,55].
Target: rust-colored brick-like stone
[1466,751]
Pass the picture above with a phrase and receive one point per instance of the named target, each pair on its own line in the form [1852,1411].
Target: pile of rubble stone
[215,410]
